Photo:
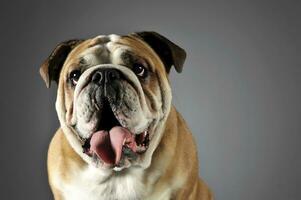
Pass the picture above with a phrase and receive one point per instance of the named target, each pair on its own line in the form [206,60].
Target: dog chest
[94,184]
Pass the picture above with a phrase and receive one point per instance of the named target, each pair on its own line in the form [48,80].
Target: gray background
[239,91]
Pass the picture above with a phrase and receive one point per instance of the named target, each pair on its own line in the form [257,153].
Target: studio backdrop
[239,92]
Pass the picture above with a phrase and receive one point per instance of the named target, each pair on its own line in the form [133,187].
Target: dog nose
[112,74]
[105,76]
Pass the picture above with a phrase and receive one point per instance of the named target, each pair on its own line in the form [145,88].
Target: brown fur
[175,157]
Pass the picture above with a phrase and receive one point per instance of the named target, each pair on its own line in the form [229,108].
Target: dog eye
[74,76]
[140,70]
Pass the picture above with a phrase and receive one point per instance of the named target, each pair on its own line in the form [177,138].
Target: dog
[120,137]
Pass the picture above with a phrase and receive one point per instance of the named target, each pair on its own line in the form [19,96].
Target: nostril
[113,74]
[97,77]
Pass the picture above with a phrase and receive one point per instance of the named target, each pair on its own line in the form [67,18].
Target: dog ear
[50,69]
[170,53]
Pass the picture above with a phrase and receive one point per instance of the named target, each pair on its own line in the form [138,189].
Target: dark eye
[74,76]
[140,70]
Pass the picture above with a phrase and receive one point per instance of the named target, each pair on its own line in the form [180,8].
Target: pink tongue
[101,145]
[108,145]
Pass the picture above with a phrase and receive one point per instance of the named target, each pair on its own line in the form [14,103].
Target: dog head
[114,95]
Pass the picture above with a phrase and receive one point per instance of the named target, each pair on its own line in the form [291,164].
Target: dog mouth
[112,142]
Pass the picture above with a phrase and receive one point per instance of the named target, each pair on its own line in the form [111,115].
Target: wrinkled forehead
[109,49]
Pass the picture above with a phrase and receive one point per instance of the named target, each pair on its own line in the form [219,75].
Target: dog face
[114,95]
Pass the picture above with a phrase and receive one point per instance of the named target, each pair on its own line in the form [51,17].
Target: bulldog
[120,137]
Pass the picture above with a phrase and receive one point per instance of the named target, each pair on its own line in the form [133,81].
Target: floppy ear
[170,53]
[50,69]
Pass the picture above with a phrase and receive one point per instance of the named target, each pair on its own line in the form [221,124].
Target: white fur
[95,184]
